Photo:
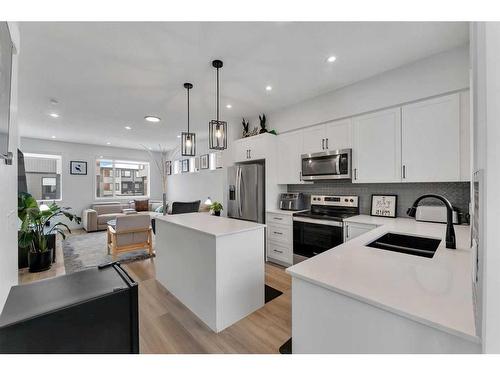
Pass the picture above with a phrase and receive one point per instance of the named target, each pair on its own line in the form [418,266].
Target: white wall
[196,185]
[486,120]
[444,72]
[78,192]
[8,187]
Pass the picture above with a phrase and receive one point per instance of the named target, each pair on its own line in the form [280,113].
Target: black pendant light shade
[217,129]
[188,140]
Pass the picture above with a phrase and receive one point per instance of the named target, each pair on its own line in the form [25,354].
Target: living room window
[43,176]
[120,178]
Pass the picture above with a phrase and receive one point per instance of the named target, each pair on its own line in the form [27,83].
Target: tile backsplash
[457,192]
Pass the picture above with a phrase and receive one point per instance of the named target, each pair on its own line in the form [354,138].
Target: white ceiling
[108,75]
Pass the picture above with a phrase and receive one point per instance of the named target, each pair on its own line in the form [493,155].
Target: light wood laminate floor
[167,326]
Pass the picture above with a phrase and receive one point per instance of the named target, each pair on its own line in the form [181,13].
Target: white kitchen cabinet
[465,137]
[252,148]
[289,151]
[279,248]
[335,135]
[313,139]
[377,147]
[353,230]
[338,135]
[431,140]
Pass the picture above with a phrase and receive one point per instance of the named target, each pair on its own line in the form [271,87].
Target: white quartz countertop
[210,224]
[434,291]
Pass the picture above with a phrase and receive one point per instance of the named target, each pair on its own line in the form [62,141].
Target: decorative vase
[39,261]
[164,198]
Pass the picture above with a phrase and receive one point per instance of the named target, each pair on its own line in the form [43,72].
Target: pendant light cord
[188,109]
[217,94]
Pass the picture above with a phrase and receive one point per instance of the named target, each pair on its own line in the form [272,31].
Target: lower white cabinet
[353,230]
[279,247]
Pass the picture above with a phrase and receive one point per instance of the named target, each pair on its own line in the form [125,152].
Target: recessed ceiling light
[331,59]
[152,119]
[108,143]
[149,148]
[128,127]
[178,136]
[269,88]
[100,157]
[53,137]
[229,106]
[54,115]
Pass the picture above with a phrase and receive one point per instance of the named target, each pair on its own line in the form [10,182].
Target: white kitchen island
[213,265]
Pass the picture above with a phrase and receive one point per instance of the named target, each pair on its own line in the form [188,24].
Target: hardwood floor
[167,326]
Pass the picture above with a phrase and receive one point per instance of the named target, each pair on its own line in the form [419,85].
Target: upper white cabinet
[377,147]
[465,137]
[431,140]
[289,151]
[338,134]
[334,135]
[252,148]
[313,139]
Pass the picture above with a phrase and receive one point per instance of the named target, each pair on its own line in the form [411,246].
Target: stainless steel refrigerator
[246,200]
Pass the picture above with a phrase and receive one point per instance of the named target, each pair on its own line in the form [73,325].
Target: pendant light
[188,140]
[217,129]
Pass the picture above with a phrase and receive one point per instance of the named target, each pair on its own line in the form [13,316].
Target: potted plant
[216,208]
[246,125]
[262,120]
[36,229]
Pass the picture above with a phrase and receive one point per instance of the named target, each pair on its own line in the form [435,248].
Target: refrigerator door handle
[238,191]
[240,202]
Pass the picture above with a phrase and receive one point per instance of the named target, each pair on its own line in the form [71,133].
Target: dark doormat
[286,348]
[271,293]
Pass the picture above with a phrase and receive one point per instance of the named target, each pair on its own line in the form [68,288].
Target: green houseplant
[216,208]
[36,227]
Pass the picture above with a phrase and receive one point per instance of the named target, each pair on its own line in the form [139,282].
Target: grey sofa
[97,216]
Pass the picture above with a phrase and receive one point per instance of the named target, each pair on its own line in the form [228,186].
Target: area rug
[89,250]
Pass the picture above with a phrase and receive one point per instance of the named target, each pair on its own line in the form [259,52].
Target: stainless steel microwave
[328,165]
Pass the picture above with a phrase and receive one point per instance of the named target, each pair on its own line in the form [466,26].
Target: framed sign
[78,167]
[384,205]
[168,167]
[185,165]
[204,162]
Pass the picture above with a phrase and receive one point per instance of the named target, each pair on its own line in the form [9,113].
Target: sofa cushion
[141,205]
[103,219]
[103,209]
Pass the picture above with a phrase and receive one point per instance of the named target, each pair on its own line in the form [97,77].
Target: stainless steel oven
[322,227]
[328,165]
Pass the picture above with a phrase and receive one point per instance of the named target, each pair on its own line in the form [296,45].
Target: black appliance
[292,201]
[93,311]
[322,227]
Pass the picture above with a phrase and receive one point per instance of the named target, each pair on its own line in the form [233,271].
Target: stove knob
[347,200]
[352,200]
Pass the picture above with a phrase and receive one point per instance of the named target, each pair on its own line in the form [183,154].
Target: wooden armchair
[132,232]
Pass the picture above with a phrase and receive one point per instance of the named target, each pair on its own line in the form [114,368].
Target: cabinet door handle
[404,171]
[250,154]
[323,144]
[300,176]
[277,233]
[347,231]
[277,218]
[355,173]
[327,143]
[278,251]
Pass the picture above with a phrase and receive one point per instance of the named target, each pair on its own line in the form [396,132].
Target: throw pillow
[141,205]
